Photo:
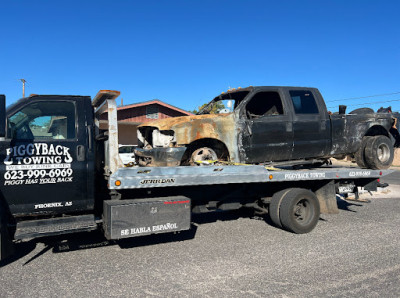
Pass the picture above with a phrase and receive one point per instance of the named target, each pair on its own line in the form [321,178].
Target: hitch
[356,197]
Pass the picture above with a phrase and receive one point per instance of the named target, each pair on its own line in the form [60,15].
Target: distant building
[131,116]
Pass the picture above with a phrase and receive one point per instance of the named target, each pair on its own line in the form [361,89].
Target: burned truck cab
[267,124]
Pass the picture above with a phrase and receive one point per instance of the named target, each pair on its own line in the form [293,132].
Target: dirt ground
[396,160]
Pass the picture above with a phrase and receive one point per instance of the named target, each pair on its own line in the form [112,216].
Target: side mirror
[2,116]
[342,109]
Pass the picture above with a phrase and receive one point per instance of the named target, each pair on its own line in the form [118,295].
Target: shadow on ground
[345,205]
[89,240]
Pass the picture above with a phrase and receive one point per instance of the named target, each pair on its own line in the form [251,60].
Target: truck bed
[151,177]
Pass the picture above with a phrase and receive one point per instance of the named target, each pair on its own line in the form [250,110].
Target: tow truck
[61,173]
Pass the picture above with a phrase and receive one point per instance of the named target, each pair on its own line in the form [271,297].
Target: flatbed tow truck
[60,174]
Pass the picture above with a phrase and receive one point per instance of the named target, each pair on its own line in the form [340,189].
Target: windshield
[43,120]
[225,103]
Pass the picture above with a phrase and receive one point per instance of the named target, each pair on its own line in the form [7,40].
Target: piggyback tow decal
[38,163]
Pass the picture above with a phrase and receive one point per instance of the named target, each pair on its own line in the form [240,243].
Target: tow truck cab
[54,159]
[48,155]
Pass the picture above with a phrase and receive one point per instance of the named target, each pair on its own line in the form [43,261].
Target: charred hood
[169,123]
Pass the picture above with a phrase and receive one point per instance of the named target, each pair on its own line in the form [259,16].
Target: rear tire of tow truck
[379,152]
[299,211]
[275,205]
[359,156]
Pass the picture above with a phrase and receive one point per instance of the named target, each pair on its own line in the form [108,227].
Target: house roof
[105,122]
[154,101]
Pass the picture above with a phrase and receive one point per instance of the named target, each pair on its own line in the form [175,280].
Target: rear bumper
[160,157]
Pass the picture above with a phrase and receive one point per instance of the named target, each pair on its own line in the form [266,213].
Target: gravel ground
[354,253]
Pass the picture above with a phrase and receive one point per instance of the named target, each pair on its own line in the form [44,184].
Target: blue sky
[187,52]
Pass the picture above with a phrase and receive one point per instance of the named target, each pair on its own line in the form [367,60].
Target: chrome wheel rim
[204,154]
[383,153]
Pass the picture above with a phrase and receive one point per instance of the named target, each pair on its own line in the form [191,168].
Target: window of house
[303,102]
[152,112]
[43,120]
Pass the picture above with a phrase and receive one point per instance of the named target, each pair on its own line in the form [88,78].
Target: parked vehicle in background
[127,154]
[268,125]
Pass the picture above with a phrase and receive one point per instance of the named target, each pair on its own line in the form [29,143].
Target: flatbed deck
[150,177]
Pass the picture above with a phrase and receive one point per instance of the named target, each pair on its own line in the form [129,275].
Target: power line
[368,103]
[376,95]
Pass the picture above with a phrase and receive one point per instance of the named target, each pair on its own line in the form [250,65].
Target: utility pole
[23,87]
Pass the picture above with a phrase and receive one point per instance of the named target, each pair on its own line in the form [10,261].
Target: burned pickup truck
[268,125]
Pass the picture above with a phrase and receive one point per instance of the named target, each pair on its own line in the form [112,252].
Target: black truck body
[59,173]
[268,125]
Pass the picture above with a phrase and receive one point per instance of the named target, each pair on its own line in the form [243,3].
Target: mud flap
[6,245]
[327,198]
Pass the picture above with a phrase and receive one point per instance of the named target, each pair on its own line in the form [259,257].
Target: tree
[217,106]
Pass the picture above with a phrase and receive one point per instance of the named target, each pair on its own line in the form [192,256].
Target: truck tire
[274,206]
[299,211]
[362,111]
[359,156]
[379,153]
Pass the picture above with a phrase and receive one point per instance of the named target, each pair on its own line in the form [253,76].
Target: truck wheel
[203,154]
[299,212]
[275,205]
[379,153]
[360,154]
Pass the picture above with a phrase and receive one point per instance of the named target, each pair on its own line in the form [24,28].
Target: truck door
[268,135]
[311,127]
[45,169]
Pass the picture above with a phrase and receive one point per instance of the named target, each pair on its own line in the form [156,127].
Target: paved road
[394,178]
[354,253]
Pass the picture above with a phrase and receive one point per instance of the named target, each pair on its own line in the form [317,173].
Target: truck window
[43,121]
[264,104]
[303,102]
